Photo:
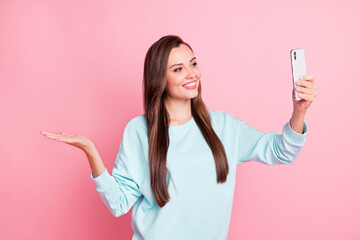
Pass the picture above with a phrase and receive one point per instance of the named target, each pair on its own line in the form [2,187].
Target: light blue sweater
[199,208]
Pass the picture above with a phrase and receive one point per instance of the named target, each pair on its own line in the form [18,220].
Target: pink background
[76,66]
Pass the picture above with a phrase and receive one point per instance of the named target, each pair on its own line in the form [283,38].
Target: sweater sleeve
[120,191]
[268,148]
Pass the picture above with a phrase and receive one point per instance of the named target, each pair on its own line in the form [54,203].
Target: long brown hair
[158,119]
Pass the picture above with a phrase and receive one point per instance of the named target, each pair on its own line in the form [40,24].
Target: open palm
[78,141]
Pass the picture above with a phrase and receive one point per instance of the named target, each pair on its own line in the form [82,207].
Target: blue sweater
[199,208]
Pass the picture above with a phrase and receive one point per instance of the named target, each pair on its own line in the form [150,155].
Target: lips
[189,82]
[190,85]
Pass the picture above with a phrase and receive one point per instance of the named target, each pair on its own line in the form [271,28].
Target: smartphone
[298,67]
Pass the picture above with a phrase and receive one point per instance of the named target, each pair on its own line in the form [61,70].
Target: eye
[176,70]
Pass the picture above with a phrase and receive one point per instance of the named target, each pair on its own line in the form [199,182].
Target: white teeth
[190,84]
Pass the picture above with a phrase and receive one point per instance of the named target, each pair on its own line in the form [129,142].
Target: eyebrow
[182,63]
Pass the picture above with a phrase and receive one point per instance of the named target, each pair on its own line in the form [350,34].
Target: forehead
[180,54]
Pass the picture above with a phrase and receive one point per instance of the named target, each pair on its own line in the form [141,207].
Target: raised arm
[120,191]
[269,148]
[272,148]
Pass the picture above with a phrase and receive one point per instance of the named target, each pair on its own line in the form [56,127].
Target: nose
[191,74]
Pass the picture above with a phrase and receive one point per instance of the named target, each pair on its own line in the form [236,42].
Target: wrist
[297,121]
[297,112]
[89,148]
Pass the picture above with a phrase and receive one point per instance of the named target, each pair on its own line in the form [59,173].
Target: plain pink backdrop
[76,66]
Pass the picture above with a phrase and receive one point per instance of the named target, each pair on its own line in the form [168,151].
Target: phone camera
[294,55]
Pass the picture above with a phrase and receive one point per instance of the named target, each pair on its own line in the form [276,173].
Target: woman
[176,164]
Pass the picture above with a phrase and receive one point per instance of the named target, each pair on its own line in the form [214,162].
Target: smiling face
[183,74]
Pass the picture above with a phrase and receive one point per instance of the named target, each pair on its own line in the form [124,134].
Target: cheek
[174,80]
[198,73]
[173,84]
[178,80]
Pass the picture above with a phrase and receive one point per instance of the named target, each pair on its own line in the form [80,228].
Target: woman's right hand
[78,141]
[85,144]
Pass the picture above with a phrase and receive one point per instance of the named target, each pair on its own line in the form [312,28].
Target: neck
[179,110]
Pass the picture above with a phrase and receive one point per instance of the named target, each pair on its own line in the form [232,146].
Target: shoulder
[131,159]
[137,122]
[223,118]
[136,127]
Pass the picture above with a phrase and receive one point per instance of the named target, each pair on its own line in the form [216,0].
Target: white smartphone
[298,67]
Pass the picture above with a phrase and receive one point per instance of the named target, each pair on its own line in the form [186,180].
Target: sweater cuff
[293,136]
[102,180]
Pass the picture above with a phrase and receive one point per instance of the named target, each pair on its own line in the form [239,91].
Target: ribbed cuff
[293,136]
[102,180]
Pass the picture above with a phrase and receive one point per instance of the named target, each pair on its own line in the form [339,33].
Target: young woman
[176,164]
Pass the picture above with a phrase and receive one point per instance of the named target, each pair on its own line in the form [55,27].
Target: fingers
[54,134]
[311,92]
[64,133]
[56,137]
[304,90]
[305,83]
[307,97]
[51,135]
[307,78]
[75,140]
[62,137]
[306,93]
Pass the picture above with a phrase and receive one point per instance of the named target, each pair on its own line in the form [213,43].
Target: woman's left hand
[307,90]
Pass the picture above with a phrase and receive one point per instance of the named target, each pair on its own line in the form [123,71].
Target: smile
[190,85]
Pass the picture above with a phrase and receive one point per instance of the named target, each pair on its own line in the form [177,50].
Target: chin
[189,95]
[195,95]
